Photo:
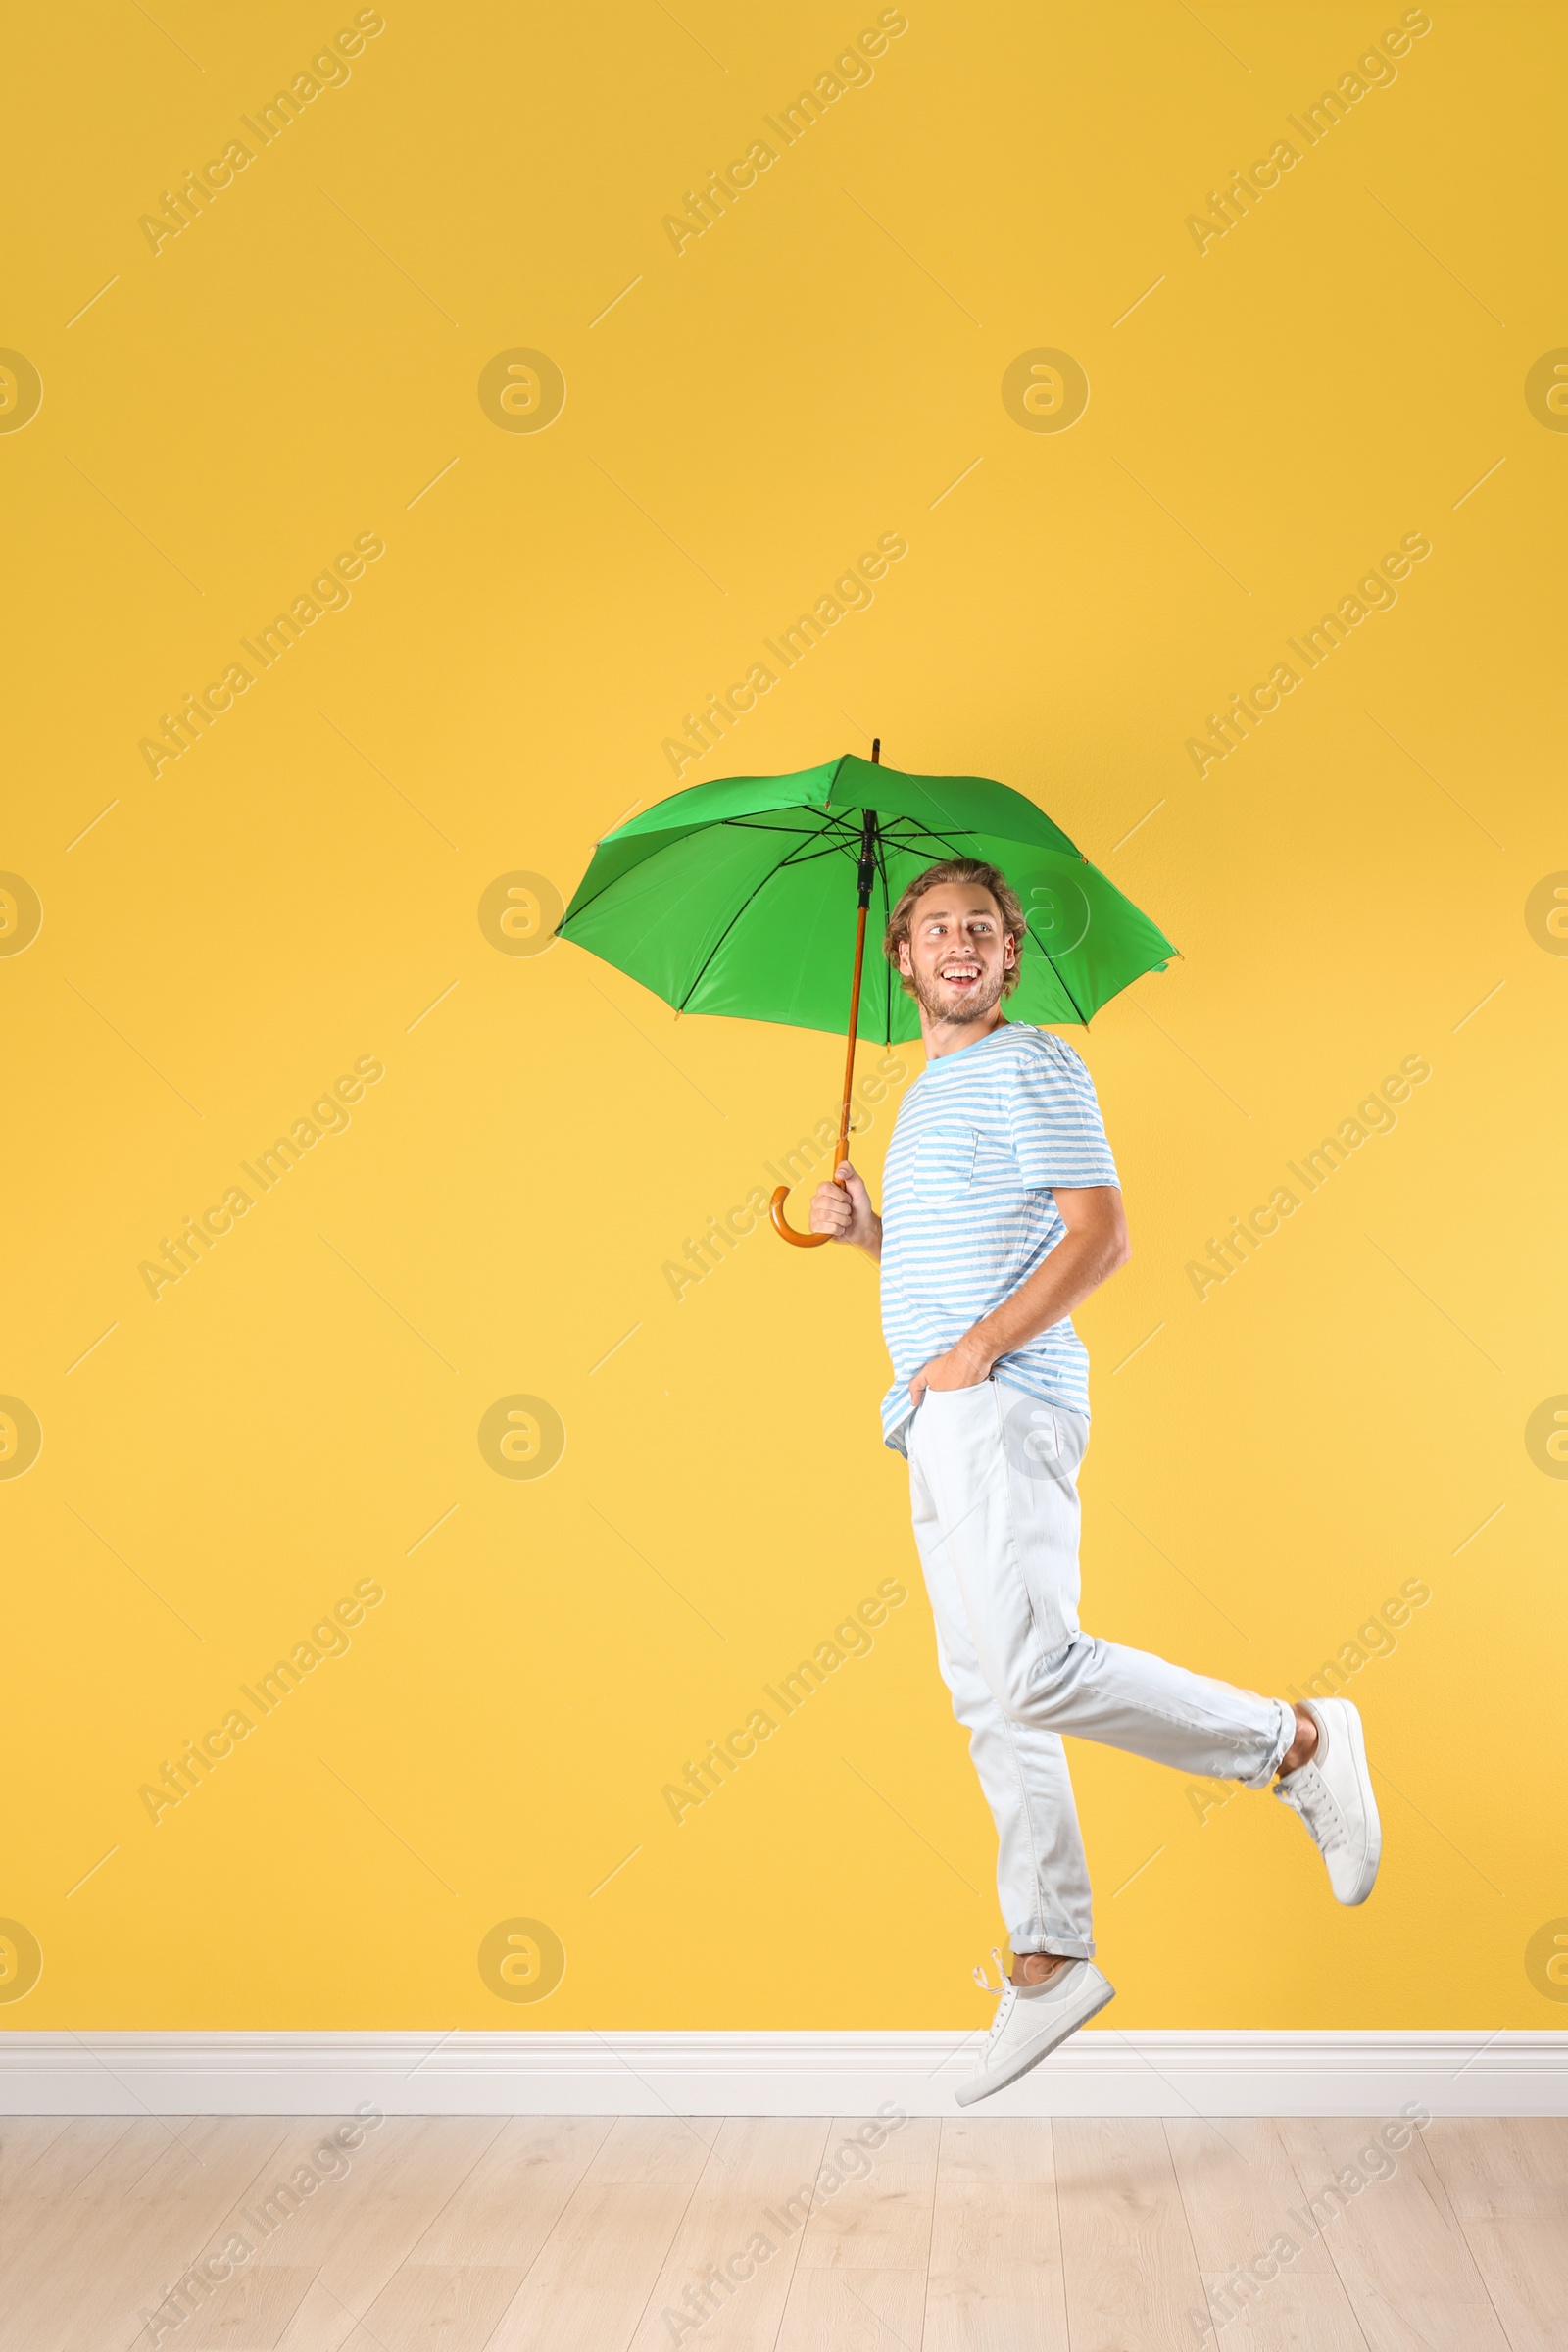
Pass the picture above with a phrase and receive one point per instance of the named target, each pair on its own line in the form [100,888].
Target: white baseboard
[1100,2073]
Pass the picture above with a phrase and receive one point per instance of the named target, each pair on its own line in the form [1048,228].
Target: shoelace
[1316,1805]
[1004,2009]
[1007,1991]
[1008,2002]
[984,1981]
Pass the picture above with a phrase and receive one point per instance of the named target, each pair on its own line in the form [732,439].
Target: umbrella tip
[876,751]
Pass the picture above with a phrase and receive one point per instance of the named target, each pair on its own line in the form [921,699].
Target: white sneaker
[1032,2020]
[1333,1794]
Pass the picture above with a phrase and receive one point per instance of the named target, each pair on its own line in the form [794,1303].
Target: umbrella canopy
[736,897]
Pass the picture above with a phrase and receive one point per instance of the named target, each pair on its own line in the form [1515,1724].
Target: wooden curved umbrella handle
[785,1231]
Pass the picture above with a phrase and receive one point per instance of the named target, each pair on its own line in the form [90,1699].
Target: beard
[941,1001]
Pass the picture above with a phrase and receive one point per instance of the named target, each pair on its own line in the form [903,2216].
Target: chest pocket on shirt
[943,1165]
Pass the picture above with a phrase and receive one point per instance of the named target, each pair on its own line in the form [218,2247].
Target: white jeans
[993,1486]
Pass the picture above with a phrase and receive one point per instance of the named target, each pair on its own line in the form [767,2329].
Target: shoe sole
[1364,1777]
[967,2093]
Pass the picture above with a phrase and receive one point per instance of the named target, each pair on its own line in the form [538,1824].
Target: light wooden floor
[974,2235]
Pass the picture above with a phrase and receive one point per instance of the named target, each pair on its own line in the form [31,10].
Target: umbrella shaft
[849,1056]
[866,876]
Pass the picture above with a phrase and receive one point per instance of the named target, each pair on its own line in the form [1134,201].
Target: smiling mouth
[960,976]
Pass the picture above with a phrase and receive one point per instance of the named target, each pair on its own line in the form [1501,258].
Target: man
[1002,1213]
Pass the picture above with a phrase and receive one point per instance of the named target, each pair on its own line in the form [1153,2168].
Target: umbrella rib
[845,837]
[1056,970]
[772,874]
[833,849]
[791,832]
[744,824]
[603,887]
[887,917]
[804,857]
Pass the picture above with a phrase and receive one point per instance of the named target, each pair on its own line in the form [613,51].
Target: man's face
[958,954]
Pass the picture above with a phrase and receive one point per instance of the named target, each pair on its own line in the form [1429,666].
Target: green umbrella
[734,896]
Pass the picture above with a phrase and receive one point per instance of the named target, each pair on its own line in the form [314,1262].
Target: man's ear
[1009,948]
[905,965]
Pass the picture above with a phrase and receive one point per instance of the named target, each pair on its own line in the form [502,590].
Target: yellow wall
[299,894]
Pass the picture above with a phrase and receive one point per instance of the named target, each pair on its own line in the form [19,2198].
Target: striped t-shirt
[969,1212]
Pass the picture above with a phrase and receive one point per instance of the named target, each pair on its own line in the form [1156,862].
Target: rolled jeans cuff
[1283,1740]
[1054,1947]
